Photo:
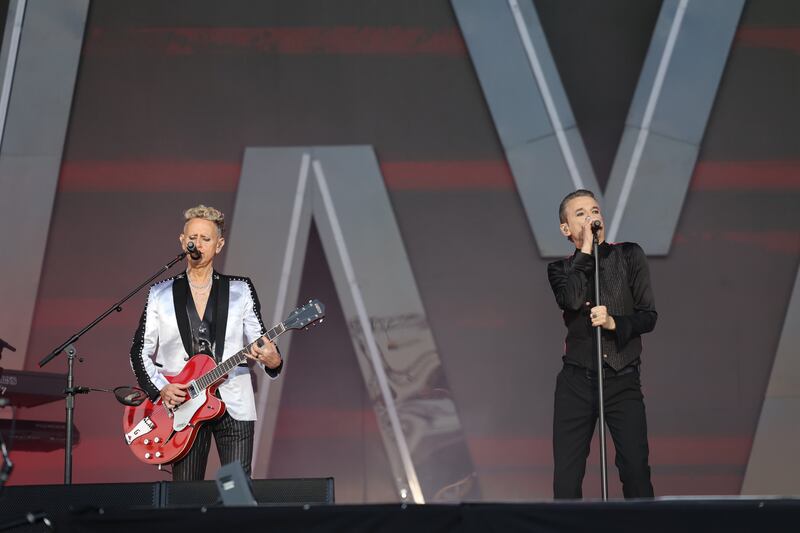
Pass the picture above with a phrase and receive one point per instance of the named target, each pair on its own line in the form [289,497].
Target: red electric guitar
[159,435]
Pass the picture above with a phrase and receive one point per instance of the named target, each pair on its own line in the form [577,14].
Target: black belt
[608,372]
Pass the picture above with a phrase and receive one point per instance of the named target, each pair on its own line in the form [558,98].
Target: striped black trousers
[234,440]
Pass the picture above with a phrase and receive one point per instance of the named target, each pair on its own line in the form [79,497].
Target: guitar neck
[211,377]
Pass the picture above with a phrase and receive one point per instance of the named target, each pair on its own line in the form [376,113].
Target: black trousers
[575,417]
[234,440]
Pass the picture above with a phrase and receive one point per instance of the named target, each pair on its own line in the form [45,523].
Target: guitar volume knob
[156,440]
[158,454]
[146,441]
[147,455]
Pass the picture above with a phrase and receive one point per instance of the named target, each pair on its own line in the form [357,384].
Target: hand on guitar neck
[264,351]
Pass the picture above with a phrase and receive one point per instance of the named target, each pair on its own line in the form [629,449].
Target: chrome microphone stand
[600,395]
[68,347]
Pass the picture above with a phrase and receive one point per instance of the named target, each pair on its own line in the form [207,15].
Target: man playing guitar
[202,311]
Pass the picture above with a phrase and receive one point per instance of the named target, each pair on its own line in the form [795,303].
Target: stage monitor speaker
[53,499]
[234,487]
[297,491]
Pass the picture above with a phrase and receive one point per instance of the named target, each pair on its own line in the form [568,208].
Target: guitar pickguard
[182,415]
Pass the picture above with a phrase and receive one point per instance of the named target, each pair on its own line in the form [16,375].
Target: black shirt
[624,289]
[203,330]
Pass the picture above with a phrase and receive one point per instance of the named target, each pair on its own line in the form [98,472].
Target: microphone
[596,225]
[192,250]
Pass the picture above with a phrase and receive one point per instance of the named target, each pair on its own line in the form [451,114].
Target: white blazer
[163,340]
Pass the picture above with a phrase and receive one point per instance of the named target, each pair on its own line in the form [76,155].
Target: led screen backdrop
[169,95]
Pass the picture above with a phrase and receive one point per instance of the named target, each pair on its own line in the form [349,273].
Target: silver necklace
[198,287]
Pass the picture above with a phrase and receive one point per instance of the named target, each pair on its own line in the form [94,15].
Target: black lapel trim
[223,288]
[180,294]
[137,358]
[256,303]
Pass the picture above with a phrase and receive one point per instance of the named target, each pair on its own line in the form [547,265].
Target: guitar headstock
[304,316]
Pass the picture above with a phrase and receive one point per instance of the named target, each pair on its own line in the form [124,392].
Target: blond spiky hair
[206,213]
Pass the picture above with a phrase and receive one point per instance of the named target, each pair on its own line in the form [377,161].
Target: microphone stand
[71,391]
[600,395]
[6,466]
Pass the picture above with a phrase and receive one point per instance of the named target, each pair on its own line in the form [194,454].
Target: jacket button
[605,355]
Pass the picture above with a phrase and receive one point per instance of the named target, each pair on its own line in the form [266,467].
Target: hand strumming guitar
[174,394]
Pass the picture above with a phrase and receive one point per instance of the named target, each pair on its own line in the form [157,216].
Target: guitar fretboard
[211,377]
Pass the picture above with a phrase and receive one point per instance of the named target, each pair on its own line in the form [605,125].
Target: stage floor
[661,515]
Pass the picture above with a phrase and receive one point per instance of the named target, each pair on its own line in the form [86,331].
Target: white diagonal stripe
[283,286]
[641,138]
[291,240]
[372,345]
[18,8]
[552,112]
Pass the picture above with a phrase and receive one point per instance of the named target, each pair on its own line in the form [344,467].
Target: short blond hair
[206,213]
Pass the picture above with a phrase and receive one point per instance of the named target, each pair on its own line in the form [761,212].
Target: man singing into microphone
[203,311]
[627,312]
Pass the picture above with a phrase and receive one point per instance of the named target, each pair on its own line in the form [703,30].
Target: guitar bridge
[144,427]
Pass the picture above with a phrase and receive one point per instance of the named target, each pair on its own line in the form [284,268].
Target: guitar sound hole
[170,437]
